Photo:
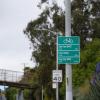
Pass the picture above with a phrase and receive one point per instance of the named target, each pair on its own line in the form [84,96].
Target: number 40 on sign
[57,76]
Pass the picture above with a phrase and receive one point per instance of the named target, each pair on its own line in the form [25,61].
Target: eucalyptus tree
[86,19]
[44,44]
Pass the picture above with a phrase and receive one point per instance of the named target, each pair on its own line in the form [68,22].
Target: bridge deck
[18,85]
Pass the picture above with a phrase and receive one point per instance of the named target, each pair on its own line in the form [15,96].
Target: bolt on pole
[68,69]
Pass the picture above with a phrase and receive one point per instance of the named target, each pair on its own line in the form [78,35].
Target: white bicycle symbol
[68,40]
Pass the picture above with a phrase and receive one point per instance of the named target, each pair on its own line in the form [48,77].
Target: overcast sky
[14,46]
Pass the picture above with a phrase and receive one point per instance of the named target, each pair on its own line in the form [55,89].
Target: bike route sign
[68,50]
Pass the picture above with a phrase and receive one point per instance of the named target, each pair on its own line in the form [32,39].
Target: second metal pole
[57,93]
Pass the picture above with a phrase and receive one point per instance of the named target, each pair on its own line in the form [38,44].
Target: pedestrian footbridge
[14,79]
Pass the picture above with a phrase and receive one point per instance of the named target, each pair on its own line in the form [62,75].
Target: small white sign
[57,76]
[54,85]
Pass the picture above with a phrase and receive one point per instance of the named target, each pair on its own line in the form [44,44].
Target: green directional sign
[68,50]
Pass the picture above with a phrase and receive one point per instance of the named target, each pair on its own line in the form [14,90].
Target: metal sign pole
[57,93]
[68,68]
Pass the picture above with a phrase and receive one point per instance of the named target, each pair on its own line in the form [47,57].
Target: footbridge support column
[20,96]
[31,95]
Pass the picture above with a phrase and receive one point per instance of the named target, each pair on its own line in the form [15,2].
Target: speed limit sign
[57,75]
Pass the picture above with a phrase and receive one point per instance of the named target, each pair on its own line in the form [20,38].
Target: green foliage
[83,73]
[89,91]
[11,93]
[89,58]
[27,94]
